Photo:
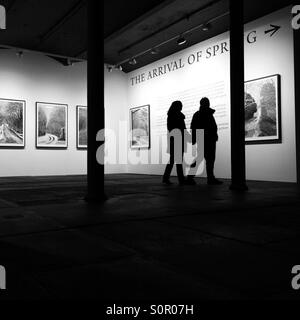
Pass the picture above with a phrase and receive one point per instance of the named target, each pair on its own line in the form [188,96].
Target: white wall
[267,56]
[35,77]
[38,78]
[274,55]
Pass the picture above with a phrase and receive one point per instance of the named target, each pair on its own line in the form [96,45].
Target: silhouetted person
[175,121]
[204,119]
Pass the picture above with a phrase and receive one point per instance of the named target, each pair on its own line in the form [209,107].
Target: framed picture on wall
[140,127]
[263,110]
[81,116]
[51,125]
[12,123]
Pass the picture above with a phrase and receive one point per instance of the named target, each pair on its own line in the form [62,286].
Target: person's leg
[192,172]
[210,163]
[168,170]
[209,154]
[194,167]
[180,174]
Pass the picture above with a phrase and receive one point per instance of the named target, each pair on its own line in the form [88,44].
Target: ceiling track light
[181,40]
[119,67]
[154,51]
[20,54]
[69,63]
[132,62]
[206,27]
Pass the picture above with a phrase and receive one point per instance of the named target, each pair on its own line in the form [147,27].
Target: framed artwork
[12,123]
[263,110]
[140,127]
[51,125]
[81,117]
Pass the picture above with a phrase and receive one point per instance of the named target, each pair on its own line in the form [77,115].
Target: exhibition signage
[2,18]
[196,57]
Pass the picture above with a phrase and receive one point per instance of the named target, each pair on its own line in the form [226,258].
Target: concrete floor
[148,241]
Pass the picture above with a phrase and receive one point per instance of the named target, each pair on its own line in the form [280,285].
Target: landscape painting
[81,127]
[12,123]
[262,110]
[51,126]
[140,127]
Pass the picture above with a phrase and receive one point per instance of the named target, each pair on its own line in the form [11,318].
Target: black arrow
[273,30]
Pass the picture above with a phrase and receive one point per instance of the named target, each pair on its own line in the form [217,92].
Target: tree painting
[140,122]
[12,123]
[262,110]
[81,127]
[51,125]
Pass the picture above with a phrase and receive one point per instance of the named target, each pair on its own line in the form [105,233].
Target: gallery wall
[203,70]
[33,78]
[37,78]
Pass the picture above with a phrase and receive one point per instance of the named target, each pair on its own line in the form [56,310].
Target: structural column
[238,165]
[297,97]
[95,171]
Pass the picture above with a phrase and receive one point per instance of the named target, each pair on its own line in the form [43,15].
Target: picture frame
[51,125]
[81,127]
[12,123]
[140,137]
[263,110]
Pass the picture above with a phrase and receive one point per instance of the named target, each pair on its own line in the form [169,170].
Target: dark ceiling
[130,27]
[51,26]
[131,30]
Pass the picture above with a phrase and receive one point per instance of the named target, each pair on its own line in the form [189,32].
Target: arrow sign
[273,29]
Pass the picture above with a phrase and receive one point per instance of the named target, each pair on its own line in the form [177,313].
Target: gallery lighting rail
[132,60]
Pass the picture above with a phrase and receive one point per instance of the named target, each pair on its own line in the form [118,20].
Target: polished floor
[148,241]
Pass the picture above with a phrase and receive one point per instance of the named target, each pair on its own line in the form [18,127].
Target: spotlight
[119,67]
[206,27]
[109,68]
[132,62]
[154,51]
[69,63]
[20,54]
[181,40]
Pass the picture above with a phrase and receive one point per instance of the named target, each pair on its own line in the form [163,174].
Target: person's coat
[176,121]
[204,119]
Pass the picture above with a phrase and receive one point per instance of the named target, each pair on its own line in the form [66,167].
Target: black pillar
[95,171]
[238,165]
[297,97]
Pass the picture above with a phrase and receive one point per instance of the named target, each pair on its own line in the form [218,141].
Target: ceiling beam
[62,21]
